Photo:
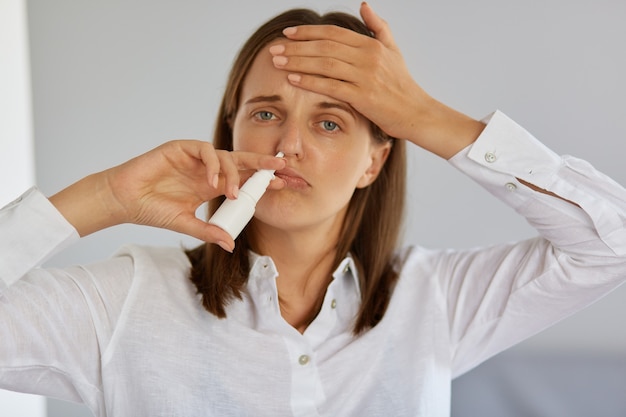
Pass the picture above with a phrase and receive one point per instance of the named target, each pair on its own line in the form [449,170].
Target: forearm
[88,205]
[440,129]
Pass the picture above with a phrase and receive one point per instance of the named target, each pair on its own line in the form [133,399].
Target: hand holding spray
[233,215]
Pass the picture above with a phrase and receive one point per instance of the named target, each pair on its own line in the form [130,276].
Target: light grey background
[114,79]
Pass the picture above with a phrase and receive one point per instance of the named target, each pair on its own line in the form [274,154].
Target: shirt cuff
[506,147]
[32,230]
[506,152]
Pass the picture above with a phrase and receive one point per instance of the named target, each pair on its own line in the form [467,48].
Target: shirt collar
[340,307]
[263,268]
[347,270]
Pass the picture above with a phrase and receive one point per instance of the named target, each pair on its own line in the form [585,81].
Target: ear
[378,156]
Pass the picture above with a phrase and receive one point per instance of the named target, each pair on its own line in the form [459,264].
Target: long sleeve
[498,296]
[54,323]
[31,230]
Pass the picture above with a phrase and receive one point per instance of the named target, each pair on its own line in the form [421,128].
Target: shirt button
[333,304]
[303,359]
[490,157]
[346,268]
[510,186]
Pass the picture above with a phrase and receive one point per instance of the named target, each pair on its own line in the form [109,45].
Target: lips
[292,178]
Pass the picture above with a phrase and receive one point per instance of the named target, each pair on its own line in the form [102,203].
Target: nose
[290,142]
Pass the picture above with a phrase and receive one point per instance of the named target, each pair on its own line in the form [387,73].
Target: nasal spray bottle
[233,215]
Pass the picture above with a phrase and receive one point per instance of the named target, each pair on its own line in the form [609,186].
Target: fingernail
[215,181]
[289,31]
[224,246]
[294,78]
[280,61]
[235,191]
[277,49]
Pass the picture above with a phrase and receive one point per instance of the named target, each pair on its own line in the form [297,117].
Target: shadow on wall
[515,384]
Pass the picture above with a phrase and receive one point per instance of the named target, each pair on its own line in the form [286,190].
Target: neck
[304,260]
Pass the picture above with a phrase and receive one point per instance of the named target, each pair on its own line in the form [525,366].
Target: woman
[315,312]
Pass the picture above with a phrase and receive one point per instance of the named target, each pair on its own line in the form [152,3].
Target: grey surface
[57,408]
[114,79]
[515,384]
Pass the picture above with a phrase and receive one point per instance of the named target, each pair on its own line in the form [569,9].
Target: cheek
[238,134]
[250,139]
[241,135]
[349,167]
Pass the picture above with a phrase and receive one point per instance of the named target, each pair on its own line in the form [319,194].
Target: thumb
[199,229]
[377,25]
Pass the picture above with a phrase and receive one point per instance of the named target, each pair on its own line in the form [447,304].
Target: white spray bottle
[233,215]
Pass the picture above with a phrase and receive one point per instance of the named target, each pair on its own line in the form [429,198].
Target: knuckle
[377,49]
[327,64]
[335,30]
[370,96]
[326,47]
[293,48]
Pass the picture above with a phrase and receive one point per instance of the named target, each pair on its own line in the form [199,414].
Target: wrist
[88,205]
[443,130]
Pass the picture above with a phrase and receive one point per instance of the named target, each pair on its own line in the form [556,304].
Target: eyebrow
[321,105]
[264,99]
[333,105]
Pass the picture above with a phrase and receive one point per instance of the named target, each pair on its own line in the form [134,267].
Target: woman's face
[328,147]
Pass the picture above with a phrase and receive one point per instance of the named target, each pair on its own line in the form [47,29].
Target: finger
[202,153]
[253,161]
[277,184]
[331,87]
[241,165]
[320,32]
[324,66]
[206,232]
[229,174]
[211,162]
[377,25]
[317,48]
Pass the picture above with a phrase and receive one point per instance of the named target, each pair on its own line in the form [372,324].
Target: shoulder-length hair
[371,227]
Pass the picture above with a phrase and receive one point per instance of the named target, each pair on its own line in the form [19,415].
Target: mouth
[292,179]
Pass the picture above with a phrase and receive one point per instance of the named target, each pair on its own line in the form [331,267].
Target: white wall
[16,151]
[17,165]
[113,79]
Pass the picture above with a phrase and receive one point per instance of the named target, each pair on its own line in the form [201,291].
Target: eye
[330,126]
[265,115]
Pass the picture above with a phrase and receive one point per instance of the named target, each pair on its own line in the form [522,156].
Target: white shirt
[129,337]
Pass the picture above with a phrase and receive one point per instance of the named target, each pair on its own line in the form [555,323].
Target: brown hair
[372,223]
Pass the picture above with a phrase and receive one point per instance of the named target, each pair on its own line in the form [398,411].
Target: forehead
[264,79]
[263,71]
